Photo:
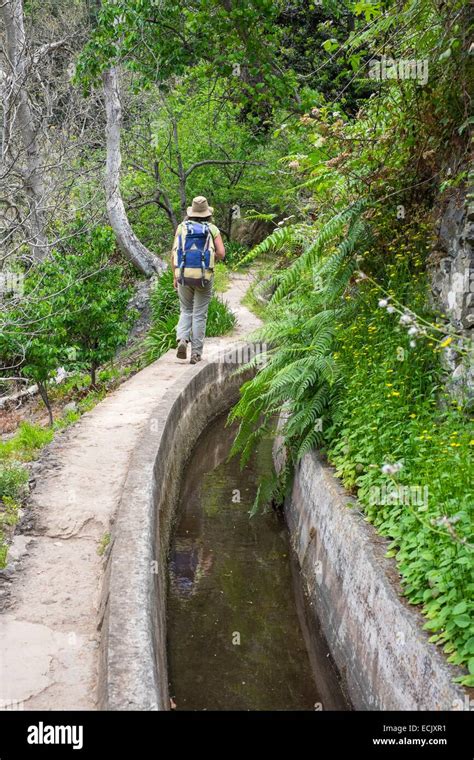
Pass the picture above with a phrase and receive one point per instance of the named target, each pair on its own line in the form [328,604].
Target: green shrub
[220,319]
[75,383]
[354,382]
[221,277]
[26,442]
[67,419]
[80,300]
[96,315]
[13,479]
[163,297]
[162,336]
[388,412]
[89,402]
[234,253]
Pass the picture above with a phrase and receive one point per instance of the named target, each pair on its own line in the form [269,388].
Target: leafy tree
[95,300]
[74,311]
[226,36]
[32,337]
[195,145]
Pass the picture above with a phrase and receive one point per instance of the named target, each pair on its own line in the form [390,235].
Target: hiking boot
[195,358]
[181,352]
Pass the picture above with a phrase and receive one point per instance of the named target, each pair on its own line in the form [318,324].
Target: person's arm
[219,247]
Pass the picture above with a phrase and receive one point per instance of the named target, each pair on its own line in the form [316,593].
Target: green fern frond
[294,233]
[332,229]
[307,414]
[301,376]
[310,441]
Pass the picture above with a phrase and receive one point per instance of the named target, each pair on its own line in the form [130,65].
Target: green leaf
[462,621]
[330,45]
[445,55]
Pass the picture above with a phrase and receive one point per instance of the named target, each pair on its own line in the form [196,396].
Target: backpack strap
[183,233]
[206,228]
[209,235]
[212,247]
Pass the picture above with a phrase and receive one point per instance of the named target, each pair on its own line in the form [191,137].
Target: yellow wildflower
[446,342]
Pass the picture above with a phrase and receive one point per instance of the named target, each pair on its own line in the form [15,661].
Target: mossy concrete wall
[375,637]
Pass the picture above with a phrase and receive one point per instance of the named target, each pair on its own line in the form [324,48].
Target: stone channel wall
[375,637]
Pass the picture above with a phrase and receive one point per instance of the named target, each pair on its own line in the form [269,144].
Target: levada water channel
[240,633]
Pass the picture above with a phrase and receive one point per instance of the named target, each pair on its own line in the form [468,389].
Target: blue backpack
[195,254]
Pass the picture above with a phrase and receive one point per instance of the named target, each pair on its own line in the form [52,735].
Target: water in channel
[240,636]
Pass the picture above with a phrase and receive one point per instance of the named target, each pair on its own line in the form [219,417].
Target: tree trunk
[165,204]
[44,395]
[18,116]
[127,241]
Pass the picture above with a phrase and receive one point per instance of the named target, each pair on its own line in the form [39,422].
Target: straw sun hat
[200,207]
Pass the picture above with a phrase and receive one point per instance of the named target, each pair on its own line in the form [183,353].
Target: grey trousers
[194,303]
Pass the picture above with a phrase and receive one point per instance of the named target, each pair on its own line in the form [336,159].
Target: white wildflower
[391,469]
[383,303]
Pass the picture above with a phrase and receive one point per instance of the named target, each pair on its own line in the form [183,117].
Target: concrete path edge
[132,621]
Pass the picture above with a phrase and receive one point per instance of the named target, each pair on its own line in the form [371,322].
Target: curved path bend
[49,635]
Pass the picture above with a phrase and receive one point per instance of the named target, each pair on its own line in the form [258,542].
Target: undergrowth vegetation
[357,351]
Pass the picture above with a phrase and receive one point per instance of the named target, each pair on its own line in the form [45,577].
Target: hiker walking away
[197,245]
